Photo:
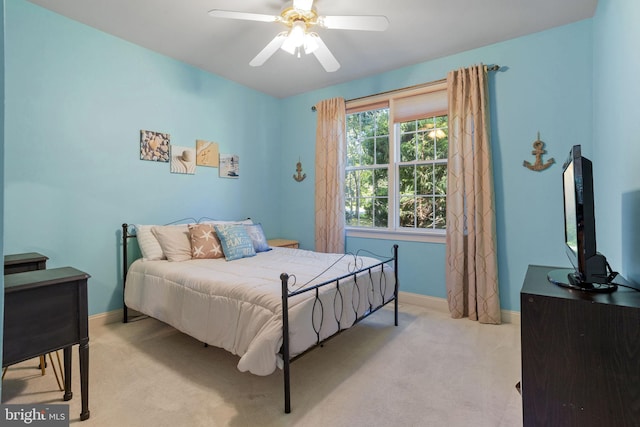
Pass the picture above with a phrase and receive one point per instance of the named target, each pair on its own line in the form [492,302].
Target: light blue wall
[546,87]
[616,132]
[76,100]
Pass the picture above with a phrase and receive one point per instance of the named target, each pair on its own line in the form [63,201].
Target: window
[422,173]
[396,169]
[367,171]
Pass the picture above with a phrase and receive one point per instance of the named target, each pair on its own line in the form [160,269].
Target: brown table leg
[84,379]
[83,352]
[68,394]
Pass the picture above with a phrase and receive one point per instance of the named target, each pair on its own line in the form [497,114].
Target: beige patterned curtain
[472,266]
[330,159]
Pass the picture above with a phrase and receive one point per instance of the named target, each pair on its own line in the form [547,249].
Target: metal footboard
[373,306]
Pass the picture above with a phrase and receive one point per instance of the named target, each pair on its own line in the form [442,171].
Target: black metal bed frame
[287,293]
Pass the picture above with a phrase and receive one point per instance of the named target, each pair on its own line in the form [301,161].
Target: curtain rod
[493,67]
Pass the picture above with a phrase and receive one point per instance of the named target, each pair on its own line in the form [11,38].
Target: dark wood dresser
[44,311]
[29,261]
[580,354]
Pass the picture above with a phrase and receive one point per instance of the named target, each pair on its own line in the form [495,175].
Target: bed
[268,308]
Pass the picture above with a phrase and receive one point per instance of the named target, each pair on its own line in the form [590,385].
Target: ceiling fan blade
[230,14]
[324,55]
[269,50]
[302,4]
[363,23]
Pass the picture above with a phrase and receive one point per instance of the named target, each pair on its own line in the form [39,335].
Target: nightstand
[283,243]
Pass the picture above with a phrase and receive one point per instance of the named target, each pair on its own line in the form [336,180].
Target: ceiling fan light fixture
[288,46]
[310,43]
[296,37]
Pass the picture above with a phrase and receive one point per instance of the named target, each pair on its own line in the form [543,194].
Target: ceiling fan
[301,17]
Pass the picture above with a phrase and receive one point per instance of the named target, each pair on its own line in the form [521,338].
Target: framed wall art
[207,153]
[229,166]
[154,146]
[183,159]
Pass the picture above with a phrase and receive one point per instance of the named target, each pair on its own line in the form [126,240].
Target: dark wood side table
[19,263]
[580,354]
[44,311]
[29,261]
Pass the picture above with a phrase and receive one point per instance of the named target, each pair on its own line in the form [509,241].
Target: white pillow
[174,241]
[149,245]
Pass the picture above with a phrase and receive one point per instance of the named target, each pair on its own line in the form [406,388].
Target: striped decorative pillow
[149,245]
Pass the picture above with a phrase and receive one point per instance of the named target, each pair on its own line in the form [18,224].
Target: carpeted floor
[429,371]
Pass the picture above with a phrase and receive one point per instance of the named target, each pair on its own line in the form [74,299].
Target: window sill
[397,235]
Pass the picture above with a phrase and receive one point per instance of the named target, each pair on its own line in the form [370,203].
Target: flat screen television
[591,271]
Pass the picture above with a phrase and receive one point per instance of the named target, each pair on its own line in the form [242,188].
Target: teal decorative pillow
[235,241]
[256,233]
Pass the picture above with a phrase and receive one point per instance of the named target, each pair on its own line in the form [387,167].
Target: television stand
[566,278]
[580,354]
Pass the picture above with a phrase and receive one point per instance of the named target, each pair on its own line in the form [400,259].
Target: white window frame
[397,103]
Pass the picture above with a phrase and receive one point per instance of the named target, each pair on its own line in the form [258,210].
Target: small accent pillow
[174,241]
[204,242]
[149,245]
[236,243]
[258,238]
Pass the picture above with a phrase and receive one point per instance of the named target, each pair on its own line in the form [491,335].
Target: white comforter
[237,304]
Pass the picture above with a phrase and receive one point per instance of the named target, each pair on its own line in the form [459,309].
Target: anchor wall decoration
[299,176]
[538,152]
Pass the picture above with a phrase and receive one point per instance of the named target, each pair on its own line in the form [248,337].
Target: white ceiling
[419,30]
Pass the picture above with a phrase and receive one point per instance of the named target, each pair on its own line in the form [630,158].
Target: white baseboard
[105,318]
[424,301]
[509,316]
[115,316]
[441,305]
